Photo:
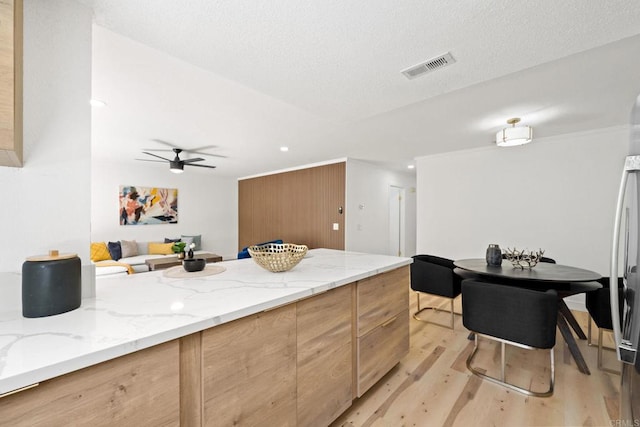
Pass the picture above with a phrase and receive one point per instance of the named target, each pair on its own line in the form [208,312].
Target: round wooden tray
[180,273]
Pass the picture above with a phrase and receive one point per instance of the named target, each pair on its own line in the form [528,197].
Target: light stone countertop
[134,312]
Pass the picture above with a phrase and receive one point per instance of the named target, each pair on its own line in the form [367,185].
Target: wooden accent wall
[298,207]
[11,83]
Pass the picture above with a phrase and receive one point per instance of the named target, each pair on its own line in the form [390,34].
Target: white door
[396,221]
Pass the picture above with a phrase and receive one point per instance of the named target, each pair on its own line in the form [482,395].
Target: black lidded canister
[51,284]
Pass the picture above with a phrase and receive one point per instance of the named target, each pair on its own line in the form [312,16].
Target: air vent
[428,66]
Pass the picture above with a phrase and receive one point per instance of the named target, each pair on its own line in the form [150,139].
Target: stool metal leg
[601,347]
[503,377]
[502,380]
[420,310]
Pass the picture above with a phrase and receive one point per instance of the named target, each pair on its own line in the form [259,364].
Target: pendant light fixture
[512,136]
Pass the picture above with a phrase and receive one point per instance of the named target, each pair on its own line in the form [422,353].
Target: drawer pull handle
[390,321]
[9,393]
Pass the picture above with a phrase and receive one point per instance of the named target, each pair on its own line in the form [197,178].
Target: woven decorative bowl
[277,257]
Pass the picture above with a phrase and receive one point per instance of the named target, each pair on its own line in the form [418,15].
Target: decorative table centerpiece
[277,257]
[192,264]
[523,259]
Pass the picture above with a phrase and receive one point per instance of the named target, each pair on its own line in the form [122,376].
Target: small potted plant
[178,248]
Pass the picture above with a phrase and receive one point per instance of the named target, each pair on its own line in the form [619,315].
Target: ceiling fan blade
[204,147]
[155,155]
[200,166]
[150,160]
[207,154]
[166,150]
[165,143]
[196,150]
[185,150]
[197,159]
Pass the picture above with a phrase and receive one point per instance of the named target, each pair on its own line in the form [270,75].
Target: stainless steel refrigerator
[627,329]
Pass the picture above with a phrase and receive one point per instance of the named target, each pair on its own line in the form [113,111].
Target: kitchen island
[235,347]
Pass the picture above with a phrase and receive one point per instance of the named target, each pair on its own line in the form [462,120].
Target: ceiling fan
[177,164]
[197,150]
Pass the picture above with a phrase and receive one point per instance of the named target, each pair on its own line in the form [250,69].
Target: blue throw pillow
[115,250]
[244,253]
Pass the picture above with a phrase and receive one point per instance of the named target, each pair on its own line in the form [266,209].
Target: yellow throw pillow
[160,248]
[99,252]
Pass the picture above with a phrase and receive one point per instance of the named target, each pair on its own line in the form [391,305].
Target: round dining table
[566,280]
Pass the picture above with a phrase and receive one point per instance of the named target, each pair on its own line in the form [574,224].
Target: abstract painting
[148,205]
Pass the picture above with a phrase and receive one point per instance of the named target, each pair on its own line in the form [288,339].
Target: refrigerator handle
[624,349]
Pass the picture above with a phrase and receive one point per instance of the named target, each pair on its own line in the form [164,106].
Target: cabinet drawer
[141,388]
[381,349]
[380,297]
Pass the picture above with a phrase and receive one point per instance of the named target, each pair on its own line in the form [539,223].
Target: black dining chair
[434,275]
[598,304]
[511,315]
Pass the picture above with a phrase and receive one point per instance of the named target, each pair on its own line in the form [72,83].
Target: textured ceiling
[323,77]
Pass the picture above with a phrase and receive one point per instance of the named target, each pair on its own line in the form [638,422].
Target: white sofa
[137,262]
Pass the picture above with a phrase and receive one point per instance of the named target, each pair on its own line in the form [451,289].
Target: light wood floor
[432,386]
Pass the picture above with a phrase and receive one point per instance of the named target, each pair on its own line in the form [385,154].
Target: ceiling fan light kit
[176,167]
[512,136]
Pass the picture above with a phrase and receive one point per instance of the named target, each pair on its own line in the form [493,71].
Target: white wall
[46,204]
[557,194]
[367,229]
[151,94]
[207,205]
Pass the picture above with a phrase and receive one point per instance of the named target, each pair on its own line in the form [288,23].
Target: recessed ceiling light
[97,103]
[410,167]
[283,149]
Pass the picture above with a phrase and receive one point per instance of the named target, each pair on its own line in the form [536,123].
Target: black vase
[494,255]
[51,287]
[190,254]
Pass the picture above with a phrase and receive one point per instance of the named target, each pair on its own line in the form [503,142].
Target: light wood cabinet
[249,370]
[382,318]
[324,356]
[11,83]
[191,380]
[141,388]
[300,364]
